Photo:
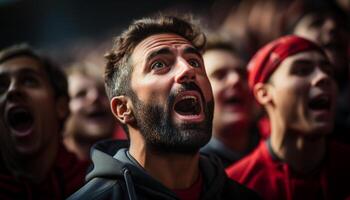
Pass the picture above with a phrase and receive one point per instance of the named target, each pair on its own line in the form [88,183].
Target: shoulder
[99,189]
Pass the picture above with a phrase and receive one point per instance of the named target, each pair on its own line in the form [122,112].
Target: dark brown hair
[118,69]
[55,75]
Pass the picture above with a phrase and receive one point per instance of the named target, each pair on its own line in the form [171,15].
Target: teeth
[189,97]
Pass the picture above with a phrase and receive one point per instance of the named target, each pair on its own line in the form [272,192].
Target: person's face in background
[30,112]
[328,31]
[91,118]
[228,77]
[302,93]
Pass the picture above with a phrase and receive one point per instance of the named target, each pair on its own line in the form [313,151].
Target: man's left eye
[194,63]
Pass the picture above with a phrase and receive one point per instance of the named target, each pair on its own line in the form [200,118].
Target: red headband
[269,57]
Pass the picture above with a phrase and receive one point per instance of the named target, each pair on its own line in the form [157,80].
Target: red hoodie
[274,180]
[65,178]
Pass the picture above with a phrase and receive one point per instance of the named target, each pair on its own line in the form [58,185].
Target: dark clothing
[225,154]
[122,177]
[65,178]
[273,179]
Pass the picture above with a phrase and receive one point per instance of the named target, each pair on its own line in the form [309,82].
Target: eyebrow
[29,71]
[162,51]
[192,50]
[310,62]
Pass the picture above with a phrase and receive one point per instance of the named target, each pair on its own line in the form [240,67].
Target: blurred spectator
[291,78]
[326,25]
[255,22]
[233,132]
[34,106]
[91,119]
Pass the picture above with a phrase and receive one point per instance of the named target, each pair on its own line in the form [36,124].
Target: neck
[175,171]
[80,148]
[36,168]
[302,153]
[236,137]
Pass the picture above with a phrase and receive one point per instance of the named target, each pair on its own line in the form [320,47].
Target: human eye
[30,81]
[195,63]
[327,68]
[80,94]
[4,84]
[303,69]
[158,65]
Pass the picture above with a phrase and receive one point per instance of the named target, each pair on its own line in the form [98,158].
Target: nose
[329,29]
[233,79]
[93,95]
[186,72]
[14,92]
[322,79]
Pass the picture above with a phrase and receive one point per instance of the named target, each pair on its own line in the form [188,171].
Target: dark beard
[162,135]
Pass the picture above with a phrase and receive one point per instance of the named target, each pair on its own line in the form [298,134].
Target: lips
[97,115]
[320,103]
[189,106]
[20,120]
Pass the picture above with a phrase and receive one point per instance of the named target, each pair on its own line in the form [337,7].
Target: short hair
[118,69]
[55,75]
[222,41]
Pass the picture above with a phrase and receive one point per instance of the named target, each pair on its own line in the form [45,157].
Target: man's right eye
[4,84]
[158,65]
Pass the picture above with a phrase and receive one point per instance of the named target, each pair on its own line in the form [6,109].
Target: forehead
[21,64]
[310,18]
[217,59]
[310,56]
[159,41]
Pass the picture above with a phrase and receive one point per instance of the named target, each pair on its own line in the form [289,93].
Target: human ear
[122,109]
[262,93]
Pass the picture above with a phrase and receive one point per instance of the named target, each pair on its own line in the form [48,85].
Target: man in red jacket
[292,78]
[33,106]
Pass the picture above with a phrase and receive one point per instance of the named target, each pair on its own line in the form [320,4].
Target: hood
[112,160]
[214,176]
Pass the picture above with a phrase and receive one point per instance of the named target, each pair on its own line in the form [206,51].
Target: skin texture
[24,84]
[91,119]
[233,102]
[156,78]
[298,131]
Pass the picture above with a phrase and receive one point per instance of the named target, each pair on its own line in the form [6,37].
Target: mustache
[188,86]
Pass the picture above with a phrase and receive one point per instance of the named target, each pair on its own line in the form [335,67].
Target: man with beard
[292,78]
[34,105]
[158,89]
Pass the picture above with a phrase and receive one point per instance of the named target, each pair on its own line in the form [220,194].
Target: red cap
[269,57]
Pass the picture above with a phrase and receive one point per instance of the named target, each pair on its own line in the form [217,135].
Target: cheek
[76,105]
[204,84]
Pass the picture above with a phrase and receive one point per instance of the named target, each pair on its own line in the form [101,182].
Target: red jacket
[273,179]
[66,177]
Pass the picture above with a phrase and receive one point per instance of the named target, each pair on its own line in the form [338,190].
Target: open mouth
[320,103]
[97,115]
[233,100]
[188,104]
[20,119]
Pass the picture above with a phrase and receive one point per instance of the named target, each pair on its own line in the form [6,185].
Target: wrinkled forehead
[153,42]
